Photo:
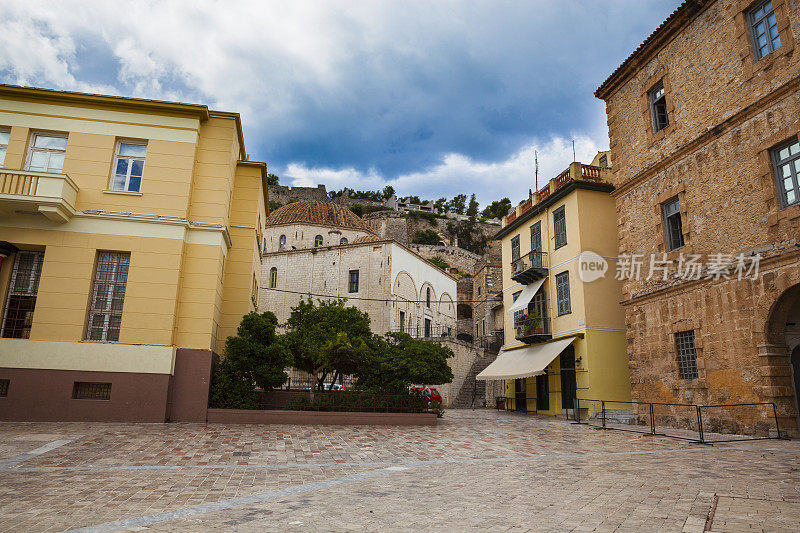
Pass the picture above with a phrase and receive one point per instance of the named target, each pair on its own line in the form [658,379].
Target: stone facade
[459,258]
[284,193]
[487,302]
[727,111]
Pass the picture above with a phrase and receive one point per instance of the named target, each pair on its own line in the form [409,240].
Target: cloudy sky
[435,98]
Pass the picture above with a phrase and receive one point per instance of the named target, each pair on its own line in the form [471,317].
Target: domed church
[326,250]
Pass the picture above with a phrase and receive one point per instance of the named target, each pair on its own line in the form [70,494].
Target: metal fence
[430,332]
[692,422]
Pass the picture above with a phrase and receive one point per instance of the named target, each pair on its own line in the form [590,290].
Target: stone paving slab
[477,470]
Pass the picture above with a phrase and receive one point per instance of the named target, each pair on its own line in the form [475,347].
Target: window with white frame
[673,224]
[4,135]
[787,172]
[128,166]
[47,151]
[764,29]
[108,296]
[658,107]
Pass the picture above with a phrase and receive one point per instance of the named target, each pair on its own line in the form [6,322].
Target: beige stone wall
[302,236]
[726,112]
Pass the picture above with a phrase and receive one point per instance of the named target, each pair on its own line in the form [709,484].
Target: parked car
[334,386]
[429,392]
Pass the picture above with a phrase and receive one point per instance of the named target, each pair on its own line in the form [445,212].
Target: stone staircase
[464,397]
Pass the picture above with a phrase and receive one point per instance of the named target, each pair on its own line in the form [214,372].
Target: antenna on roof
[536,168]
[573,151]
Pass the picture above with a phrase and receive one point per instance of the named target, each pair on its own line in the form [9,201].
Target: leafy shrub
[427,236]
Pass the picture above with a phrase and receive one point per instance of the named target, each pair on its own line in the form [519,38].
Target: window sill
[125,193]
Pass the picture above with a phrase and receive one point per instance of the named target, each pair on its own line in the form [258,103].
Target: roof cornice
[662,35]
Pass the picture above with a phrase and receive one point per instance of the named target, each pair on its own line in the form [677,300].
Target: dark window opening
[353,281]
[427,327]
[22,291]
[4,383]
[658,107]
[672,224]
[687,355]
[83,390]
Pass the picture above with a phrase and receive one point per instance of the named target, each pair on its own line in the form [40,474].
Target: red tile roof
[319,213]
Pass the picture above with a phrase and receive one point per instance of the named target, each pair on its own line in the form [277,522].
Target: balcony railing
[533,329]
[52,194]
[529,267]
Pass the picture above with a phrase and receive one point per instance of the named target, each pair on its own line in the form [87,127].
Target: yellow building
[131,233]
[564,329]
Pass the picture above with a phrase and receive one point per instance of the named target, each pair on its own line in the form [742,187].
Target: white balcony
[51,194]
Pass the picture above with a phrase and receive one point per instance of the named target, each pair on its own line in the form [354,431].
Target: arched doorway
[783,332]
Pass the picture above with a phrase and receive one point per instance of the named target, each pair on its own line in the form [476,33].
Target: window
[343,241]
[658,107]
[273,277]
[128,166]
[603,161]
[402,321]
[479,290]
[4,383]
[787,172]
[536,237]
[281,242]
[47,152]
[560,227]
[519,316]
[427,327]
[515,248]
[672,224]
[22,290]
[687,355]
[4,135]
[353,281]
[764,29]
[428,297]
[562,293]
[108,295]
[318,240]
[83,390]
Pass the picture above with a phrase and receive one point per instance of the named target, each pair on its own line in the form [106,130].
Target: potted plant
[532,323]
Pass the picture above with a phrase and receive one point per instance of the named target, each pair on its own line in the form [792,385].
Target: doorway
[569,385]
[542,393]
[520,395]
[796,374]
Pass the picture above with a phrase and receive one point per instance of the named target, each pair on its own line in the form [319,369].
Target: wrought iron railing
[532,327]
[533,259]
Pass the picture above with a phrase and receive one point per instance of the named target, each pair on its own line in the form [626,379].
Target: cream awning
[525,296]
[524,362]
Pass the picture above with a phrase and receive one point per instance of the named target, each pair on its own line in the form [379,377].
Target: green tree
[274,204]
[427,236]
[388,191]
[469,235]
[439,263]
[272,179]
[497,209]
[440,205]
[396,361]
[255,356]
[458,204]
[326,338]
[358,209]
[472,210]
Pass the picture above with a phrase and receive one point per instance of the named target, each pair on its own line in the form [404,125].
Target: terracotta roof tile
[313,212]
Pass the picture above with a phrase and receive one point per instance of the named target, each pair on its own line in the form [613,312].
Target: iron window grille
[4,383]
[562,293]
[787,172]
[83,390]
[128,166]
[22,291]
[108,296]
[318,240]
[764,29]
[560,227]
[515,248]
[658,107]
[354,274]
[687,355]
[273,277]
[672,224]
[4,136]
[47,152]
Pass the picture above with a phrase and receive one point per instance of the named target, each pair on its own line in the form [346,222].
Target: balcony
[533,330]
[27,191]
[529,267]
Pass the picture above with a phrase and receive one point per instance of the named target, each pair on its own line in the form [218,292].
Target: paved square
[476,470]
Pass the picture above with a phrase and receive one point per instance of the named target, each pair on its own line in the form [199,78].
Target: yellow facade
[595,318]
[192,229]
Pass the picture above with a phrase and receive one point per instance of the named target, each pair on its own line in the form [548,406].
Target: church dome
[316,213]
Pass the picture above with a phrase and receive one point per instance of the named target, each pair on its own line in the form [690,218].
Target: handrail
[33,174]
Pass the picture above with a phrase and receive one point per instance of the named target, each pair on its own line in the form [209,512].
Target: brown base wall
[241,416]
[188,395]
[46,395]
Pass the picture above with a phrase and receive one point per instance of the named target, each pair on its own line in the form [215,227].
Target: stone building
[704,119]
[283,194]
[323,248]
[487,299]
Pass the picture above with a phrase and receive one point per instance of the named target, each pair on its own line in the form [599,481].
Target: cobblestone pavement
[476,470]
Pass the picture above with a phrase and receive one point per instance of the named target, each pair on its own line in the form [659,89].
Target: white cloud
[457,173]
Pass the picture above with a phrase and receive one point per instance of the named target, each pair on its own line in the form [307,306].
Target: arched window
[343,240]
[428,297]
[281,242]
[273,277]
[318,240]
